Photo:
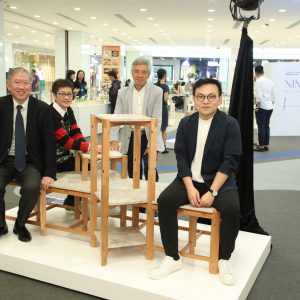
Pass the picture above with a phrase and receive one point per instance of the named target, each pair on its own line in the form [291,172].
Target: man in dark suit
[27,148]
[208,148]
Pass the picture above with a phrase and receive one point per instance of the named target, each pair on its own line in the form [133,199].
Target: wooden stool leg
[192,234]
[84,213]
[123,214]
[104,234]
[135,216]
[84,171]
[150,232]
[124,166]
[214,243]
[42,209]
[93,222]
[77,207]
[113,164]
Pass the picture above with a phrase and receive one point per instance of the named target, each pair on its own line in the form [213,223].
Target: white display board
[285,120]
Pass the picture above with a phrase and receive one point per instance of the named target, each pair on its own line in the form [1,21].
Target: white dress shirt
[138,100]
[203,129]
[264,92]
[24,115]
[60,110]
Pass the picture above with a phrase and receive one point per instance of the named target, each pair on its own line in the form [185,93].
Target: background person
[265,98]
[68,135]
[161,82]
[113,90]
[208,148]
[35,84]
[142,98]
[80,84]
[27,148]
[71,74]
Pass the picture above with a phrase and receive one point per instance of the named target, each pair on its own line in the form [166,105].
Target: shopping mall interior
[190,40]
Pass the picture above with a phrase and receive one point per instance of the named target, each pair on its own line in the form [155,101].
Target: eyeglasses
[210,97]
[64,95]
[24,83]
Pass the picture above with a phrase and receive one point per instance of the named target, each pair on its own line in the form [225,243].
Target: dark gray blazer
[222,149]
[40,139]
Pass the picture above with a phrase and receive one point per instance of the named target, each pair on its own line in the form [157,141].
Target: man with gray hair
[27,148]
[141,98]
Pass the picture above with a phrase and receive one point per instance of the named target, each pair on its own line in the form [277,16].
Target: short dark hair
[113,74]
[203,81]
[259,69]
[61,83]
[69,74]
[161,73]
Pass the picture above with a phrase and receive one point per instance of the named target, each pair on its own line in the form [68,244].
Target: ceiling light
[271,20]
[93,18]
[130,37]
[210,19]
[161,30]
[33,31]
[55,23]
[16,26]
[135,40]
[115,29]
[37,16]
[47,35]
[105,24]
[123,33]
[298,36]
[156,25]
[9,34]
[282,10]
[13,7]
[70,28]
[150,19]
[77,8]
[211,10]
[23,38]
[143,9]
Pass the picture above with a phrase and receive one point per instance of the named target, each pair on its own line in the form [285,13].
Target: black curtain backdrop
[241,108]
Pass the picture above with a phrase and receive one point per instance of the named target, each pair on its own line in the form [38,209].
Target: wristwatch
[214,193]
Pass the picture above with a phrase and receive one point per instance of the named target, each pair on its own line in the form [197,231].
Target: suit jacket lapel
[215,124]
[146,99]
[30,118]
[193,135]
[10,117]
[130,98]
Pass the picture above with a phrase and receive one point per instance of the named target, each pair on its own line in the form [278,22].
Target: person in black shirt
[113,90]
[161,82]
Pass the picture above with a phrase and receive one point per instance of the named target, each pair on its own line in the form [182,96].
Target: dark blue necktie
[20,143]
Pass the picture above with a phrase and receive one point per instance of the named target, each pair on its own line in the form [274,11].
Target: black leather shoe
[22,233]
[259,149]
[3,229]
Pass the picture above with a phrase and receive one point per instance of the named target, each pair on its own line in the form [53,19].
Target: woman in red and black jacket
[67,133]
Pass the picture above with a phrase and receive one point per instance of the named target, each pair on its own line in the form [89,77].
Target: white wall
[285,120]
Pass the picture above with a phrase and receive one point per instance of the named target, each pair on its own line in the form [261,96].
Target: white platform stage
[68,261]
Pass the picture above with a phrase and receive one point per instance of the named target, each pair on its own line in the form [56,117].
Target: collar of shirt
[24,105]
[61,111]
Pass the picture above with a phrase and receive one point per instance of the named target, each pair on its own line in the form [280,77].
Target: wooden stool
[193,234]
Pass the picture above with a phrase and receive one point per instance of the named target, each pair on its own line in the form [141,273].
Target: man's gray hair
[13,71]
[142,60]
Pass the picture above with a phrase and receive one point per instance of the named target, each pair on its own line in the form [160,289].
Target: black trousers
[144,158]
[30,181]
[175,195]
[263,117]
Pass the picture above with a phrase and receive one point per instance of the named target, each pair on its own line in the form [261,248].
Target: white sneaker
[226,275]
[166,267]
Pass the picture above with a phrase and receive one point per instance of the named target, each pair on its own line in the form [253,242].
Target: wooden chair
[117,191]
[70,183]
[194,234]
